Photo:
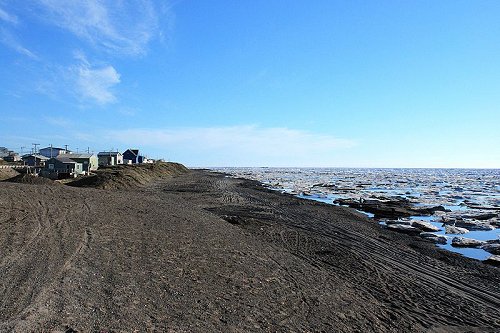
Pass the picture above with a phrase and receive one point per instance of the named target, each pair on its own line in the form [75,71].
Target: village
[61,163]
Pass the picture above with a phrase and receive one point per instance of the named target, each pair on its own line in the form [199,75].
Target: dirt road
[201,252]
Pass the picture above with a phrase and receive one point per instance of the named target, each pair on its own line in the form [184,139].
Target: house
[34,160]
[53,151]
[89,161]
[109,158]
[12,157]
[61,167]
[133,156]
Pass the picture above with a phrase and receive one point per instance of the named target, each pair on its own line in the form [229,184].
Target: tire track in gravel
[22,267]
[84,242]
[422,271]
[384,253]
[52,243]
[425,271]
[10,259]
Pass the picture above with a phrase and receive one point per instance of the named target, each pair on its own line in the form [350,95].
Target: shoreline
[405,195]
[203,252]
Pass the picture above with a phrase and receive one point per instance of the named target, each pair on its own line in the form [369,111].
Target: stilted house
[61,167]
[35,160]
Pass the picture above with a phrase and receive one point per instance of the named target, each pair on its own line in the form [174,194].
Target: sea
[464,192]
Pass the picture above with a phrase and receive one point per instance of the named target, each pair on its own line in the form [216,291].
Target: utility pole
[66,149]
[35,144]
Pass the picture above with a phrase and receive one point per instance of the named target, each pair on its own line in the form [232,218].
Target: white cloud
[10,41]
[8,38]
[125,27]
[85,82]
[9,18]
[97,83]
[237,145]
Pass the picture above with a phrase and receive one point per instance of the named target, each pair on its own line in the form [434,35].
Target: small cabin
[109,158]
[88,161]
[133,156]
[62,167]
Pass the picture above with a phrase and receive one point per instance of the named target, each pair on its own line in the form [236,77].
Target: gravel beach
[201,252]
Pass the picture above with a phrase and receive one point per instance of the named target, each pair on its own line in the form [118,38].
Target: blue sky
[256,83]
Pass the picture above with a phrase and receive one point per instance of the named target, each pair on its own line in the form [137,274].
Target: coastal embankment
[172,249]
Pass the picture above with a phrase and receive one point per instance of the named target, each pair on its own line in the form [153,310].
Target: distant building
[133,156]
[109,158]
[89,161]
[61,167]
[34,160]
[4,152]
[53,151]
[12,157]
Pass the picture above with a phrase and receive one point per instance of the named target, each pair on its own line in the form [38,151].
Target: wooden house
[109,158]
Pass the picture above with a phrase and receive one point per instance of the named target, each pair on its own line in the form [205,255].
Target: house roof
[133,151]
[109,153]
[64,159]
[53,148]
[41,157]
[76,155]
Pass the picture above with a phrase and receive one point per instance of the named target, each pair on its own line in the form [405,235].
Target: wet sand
[202,252]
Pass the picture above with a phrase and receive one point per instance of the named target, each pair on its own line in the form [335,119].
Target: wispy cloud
[238,145]
[9,18]
[85,82]
[8,38]
[124,27]
[97,83]
[112,28]
[9,41]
